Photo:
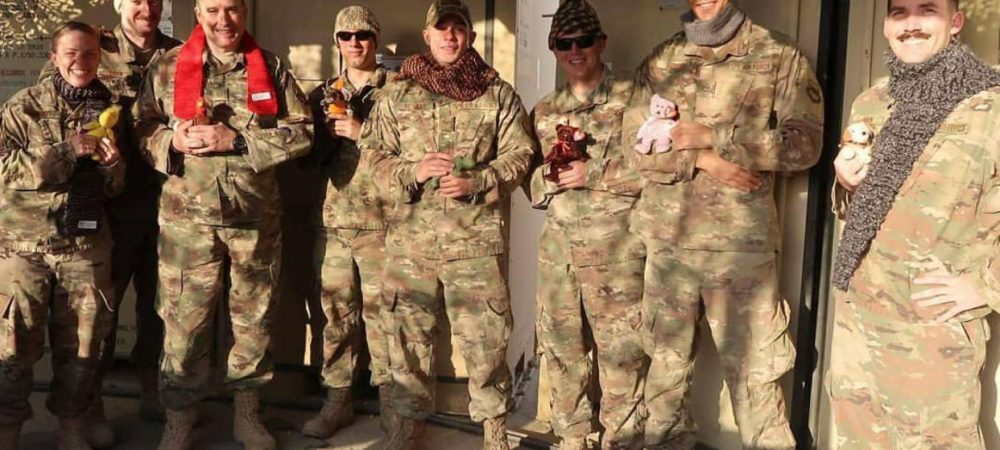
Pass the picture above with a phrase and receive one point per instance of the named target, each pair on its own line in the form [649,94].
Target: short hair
[73,26]
[197,2]
[954,4]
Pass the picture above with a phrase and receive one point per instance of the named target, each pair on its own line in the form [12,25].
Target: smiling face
[141,17]
[358,53]
[223,21]
[919,29]
[76,55]
[707,9]
[448,40]
[581,63]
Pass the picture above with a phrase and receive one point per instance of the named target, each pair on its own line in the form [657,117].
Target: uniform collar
[376,81]
[738,46]
[124,47]
[566,102]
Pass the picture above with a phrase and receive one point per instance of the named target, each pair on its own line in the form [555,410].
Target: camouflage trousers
[594,308]
[192,281]
[350,270]
[749,325]
[71,295]
[134,261]
[473,296]
[898,379]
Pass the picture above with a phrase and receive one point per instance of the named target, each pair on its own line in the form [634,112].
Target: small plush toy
[459,165]
[335,98]
[570,146]
[856,142]
[200,112]
[655,133]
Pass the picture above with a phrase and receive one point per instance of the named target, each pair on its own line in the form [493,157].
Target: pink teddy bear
[655,133]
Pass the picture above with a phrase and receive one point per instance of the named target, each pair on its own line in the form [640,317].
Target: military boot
[72,435]
[247,428]
[575,443]
[495,434]
[337,413]
[150,407]
[8,437]
[407,434]
[387,414]
[100,433]
[177,431]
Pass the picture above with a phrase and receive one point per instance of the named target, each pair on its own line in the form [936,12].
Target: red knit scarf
[189,77]
[465,80]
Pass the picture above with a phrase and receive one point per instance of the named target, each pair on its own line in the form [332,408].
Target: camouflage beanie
[356,18]
[574,16]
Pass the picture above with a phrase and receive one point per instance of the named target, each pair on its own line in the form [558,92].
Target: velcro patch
[954,128]
[757,67]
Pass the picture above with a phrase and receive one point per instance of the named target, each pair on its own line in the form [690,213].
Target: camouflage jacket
[408,122]
[352,201]
[36,163]
[949,208]
[122,73]
[229,188]
[761,99]
[587,226]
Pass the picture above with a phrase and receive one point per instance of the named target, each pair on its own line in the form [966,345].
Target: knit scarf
[716,31]
[189,77]
[465,80]
[94,97]
[925,94]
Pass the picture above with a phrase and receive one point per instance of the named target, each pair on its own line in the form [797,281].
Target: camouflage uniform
[712,245]
[222,207]
[590,271]
[898,378]
[48,278]
[351,249]
[133,212]
[442,247]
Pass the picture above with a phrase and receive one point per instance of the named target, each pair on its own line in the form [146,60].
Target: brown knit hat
[574,16]
[443,8]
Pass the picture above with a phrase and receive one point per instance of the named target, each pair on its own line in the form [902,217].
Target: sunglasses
[582,42]
[362,36]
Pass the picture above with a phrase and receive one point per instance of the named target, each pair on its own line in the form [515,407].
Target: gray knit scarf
[924,94]
[716,31]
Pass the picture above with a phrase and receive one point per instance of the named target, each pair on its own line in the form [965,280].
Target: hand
[208,139]
[179,142]
[851,169]
[574,177]
[958,291]
[344,126]
[433,165]
[84,145]
[454,187]
[726,172]
[688,135]
[108,152]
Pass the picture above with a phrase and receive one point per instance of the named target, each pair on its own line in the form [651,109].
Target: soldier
[217,115]
[126,52]
[590,266]
[55,245]
[917,271]
[352,246]
[750,108]
[450,140]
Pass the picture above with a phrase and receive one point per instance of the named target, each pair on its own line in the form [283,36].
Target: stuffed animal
[655,133]
[335,98]
[857,141]
[200,112]
[459,165]
[570,146]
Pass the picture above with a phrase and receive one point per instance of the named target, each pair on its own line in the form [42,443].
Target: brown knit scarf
[465,80]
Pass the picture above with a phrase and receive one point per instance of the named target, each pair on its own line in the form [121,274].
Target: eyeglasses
[582,42]
[362,36]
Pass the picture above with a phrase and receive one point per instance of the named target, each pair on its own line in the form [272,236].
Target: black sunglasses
[582,42]
[345,36]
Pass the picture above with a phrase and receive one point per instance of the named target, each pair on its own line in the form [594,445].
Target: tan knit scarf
[465,80]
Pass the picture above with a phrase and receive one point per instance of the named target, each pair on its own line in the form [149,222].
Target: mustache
[914,34]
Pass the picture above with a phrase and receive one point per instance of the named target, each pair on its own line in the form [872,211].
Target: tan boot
[495,434]
[71,434]
[337,413]
[247,428]
[100,433]
[177,432]
[386,411]
[150,407]
[578,443]
[406,435]
[8,437]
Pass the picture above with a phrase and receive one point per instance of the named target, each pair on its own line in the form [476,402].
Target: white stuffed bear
[856,142]
[655,133]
